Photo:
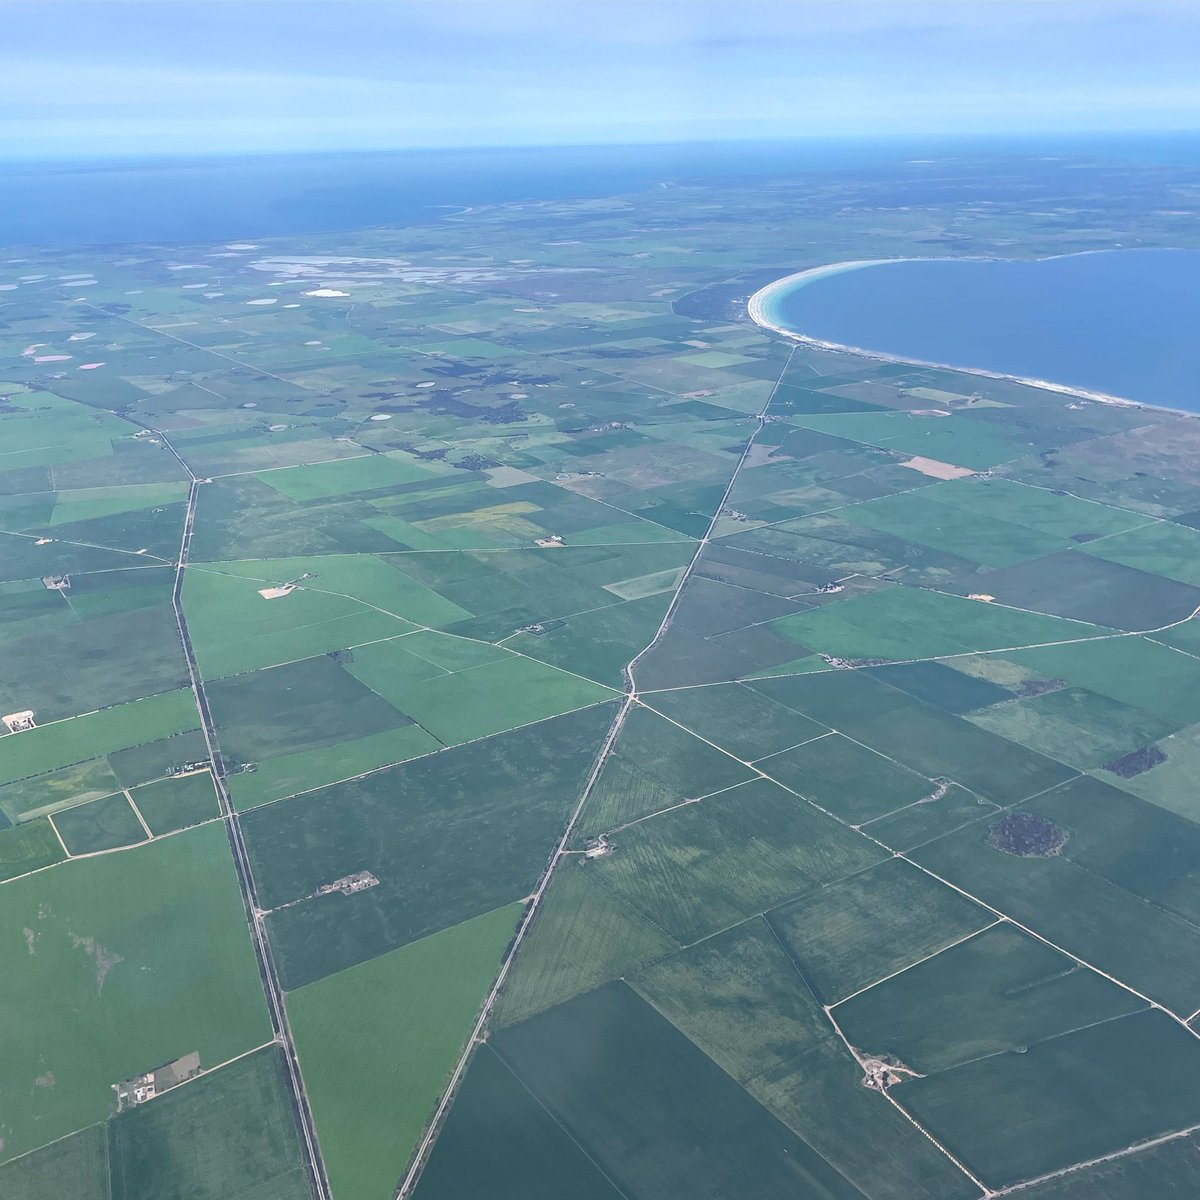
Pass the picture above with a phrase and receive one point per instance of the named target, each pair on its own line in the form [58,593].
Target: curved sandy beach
[758,308]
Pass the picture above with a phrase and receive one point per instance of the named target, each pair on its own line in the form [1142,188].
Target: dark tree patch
[1027,836]
[1137,761]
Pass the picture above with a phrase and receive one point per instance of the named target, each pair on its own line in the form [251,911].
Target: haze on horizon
[131,77]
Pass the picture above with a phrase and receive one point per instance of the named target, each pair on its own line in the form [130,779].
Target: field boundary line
[934,954]
[137,812]
[50,818]
[854,1054]
[412,1175]
[886,1093]
[428,753]
[158,559]
[418,627]
[273,993]
[1125,1152]
[961,891]
[1083,962]
[553,1117]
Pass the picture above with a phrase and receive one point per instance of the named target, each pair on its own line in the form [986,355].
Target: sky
[104,77]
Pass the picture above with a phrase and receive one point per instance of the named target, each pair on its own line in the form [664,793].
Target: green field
[303,770]
[77,1166]
[582,936]
[377,1043]
[480,701]
[997,992]
[234,629]
[1085,914]
[904,623]
[1075,726]
[171,804]
[906,763]
[930,819]
[846,778]
[711,988]
[925,739]
[820,1095]
[500,1142]
[653,1112]
[1171,1169]
[295,708]
[117,964]
[1055,513]
[362,577]
[28,847]
[50,747]
[363,474]
[956,439]
[1068,1099]
[449,837]
[987,539]
[1134,671]
[851,934]
[1163,548]
[87,503]
[733,717]
[701,867]
[99,825]
[230,1135]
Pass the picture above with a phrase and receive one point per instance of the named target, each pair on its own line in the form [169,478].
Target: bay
[1122,322]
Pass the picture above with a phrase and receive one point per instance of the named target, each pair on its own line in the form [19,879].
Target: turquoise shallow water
[1124,322]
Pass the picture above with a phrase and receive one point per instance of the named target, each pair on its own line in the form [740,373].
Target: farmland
[517,720]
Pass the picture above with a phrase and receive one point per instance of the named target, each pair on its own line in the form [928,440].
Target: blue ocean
[116,201]
[1122,322]
[162,200]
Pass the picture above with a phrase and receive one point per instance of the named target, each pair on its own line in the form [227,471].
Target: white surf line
[433,1126]
[757,308]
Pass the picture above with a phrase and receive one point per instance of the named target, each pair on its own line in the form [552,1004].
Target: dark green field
[852,933]
[654,1113]
[1067,1099]
[226,1136]
[448,837]
[501,1141]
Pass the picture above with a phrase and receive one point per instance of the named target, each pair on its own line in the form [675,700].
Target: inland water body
[1123,322]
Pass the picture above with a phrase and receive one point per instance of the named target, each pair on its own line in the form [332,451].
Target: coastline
[757,309]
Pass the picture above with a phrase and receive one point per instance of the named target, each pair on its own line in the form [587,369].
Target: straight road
[254,916]
[413,1175]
